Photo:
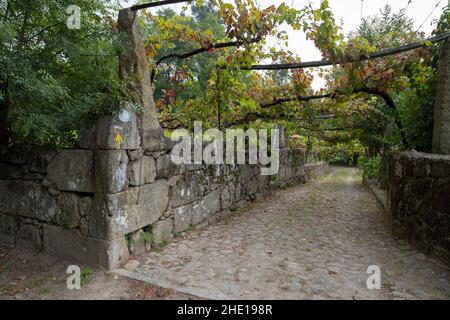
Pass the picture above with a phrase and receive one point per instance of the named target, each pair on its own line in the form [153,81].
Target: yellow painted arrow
[118,140]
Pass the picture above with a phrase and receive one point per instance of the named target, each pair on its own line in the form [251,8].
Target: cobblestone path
[311,241]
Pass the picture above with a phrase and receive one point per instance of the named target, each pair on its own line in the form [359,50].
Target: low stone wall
[97,204]
[419,200]
[379,194]
[46,200]
[314,170]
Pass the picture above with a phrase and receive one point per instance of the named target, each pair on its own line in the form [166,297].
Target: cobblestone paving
[312,241]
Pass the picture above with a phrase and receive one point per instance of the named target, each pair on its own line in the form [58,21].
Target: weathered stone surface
[104,133]
[227,196]
[314,170]
[113,253]
[46,183]
[165,168]
[115,215]
[33,176]
[28,236]
[195,167]
[54,192]
[8,229]
[253,187]
[245,171]
[162,230]
[84,226]
[263,183]
[85,206]
[111,214]
[26,198]
[131,265]
[10,171]
[154,140]
[209,205]
[189,189]
[138,244]
[18,155]
[183,217]
[153,199]
[40,159]
[238,192]
[72,170]
[70,244]
[133,69]
[68,214]
[419,198]
[142,171]
[36,159]
[111,171]
[135,154]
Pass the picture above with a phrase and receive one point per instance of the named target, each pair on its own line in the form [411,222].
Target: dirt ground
[27,274]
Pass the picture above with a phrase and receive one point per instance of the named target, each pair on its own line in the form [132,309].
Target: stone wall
[102,202]
[46,202]
[314,170]
[419,200]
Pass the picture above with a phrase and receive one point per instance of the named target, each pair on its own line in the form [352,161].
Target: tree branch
[252,116]
[156,4]
[299,98]
[192,53]
[349,59]
[43,30]
[391,104]
[373,91]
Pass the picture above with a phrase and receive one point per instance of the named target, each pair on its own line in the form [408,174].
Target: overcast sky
[349,12]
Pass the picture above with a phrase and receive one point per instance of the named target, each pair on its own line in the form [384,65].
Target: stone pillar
[441,133]
[134,69]
[283,143]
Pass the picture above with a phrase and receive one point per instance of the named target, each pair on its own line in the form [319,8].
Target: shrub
[55,80]
[370,167]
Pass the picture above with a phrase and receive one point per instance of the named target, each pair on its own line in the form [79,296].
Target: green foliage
[129,240]
[346,152]
[54,80]
[386,29]
[85,275]
[194,89]
[183,78]
[40,247]
[370,167]
[147,237]
[416,104]
[408,79]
